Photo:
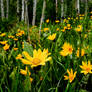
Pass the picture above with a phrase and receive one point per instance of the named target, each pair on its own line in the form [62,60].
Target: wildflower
[52,37]
[24,72]
[3,34]
[3,42]
[79,28]
[57,21]
[19,56]
[6,47]
[46,29]
[15,49]
[86,67]
[57,29]
[47,21]
[15,39]
[11,37]
[70,76]
[39,58]
[67,49]
[82,52]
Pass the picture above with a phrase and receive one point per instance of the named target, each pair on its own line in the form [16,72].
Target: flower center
[70,49]
[36,61]
[71,77]
[87,69]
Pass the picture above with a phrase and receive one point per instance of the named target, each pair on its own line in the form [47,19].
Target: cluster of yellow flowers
[20,32]
[86,68]
[6,47]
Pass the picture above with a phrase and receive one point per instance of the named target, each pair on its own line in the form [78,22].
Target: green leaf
[28,48]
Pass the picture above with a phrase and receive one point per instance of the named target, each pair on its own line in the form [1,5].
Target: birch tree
[7,11]
[27,18]
[42,17]
[22,16]
[62,10]
[56,9]
[78,6]
[17,6]
[34,11]
[2,10]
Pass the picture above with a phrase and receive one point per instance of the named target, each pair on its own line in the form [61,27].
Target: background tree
[34,12]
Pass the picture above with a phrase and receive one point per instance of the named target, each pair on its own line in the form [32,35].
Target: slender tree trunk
[27,18]
[7,12]
[34,11]
[42,17]
[78,6]
[22,16]
[2,9]
[62,10]
[18,6]
[56,9]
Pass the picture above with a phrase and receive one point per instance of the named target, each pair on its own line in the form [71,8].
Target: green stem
[66,90]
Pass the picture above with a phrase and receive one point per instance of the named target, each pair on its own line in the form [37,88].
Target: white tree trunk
[27,18]
[7,12]
[56,9]
[78,6]
[2,9]
[34,11]
[22,16]
[62,10]
[42,17]
[17,6]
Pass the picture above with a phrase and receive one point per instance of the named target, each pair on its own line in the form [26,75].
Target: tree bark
[78,6]
[42,17]
[18,6]
[34,11]
[56,9]
[22,16]
[62,10]
[7,12]
[27,18]
[2,10]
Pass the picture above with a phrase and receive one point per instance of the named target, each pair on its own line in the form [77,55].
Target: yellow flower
[57,29]
[86,68]
[79,28]
[3,34]
[46,29]
[19,56]
[67,49]
[82,52]
[52,37]
[3,42]
[70,76]
[15,39]
[39,58]
[15,49]
[11,37]
[47,21]
[6,47]
[24,72]
[57,21]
